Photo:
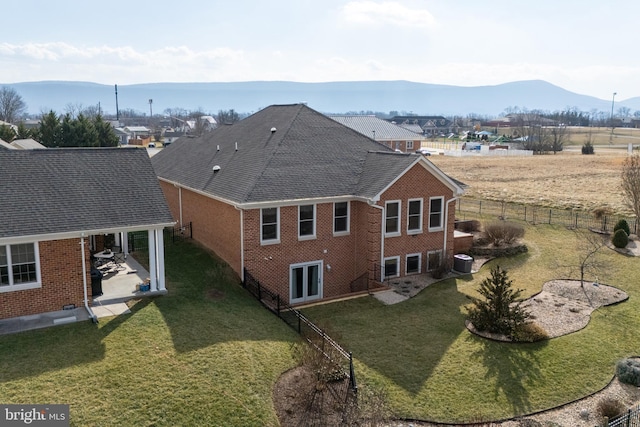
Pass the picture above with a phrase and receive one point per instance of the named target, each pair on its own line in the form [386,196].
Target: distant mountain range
[331,97]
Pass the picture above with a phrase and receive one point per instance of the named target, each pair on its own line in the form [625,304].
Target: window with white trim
[391,267]
[436,205]
[414,216]
[341,218]
[434,259]
[409,145]
[306,221]
[269,226]
[392,218]
[413,264]
[19,267]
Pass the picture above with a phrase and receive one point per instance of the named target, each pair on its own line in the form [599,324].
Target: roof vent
[236,146]
[273,130]
[218,148]
[216,168]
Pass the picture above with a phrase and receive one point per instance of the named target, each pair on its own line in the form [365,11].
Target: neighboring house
[138,135]
[56,205]
[170,136]
[5,145]
[430,125]
[310,208]
[123,135]
[394,137]
[26,144]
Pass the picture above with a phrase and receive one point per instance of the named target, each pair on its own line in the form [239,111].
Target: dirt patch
[301,400]
[214,294]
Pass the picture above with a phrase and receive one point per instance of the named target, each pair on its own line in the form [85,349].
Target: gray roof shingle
[58,191]
[376,128]
[308,156]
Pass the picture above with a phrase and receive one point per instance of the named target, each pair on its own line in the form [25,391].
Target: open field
[567,180]
[603,136]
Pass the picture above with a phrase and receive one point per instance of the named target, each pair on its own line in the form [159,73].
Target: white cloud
[387,13]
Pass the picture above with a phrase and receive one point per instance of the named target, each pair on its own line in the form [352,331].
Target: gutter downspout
[241,242]
[92,315]
[446,224]
[373,205]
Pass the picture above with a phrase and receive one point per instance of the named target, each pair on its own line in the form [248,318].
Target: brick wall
[345,254]
[418,183]
[61,273]
[215,225]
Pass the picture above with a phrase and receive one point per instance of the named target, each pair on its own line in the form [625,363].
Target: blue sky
[586,46]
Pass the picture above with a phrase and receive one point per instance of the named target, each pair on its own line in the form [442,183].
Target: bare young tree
[12,106]
[589,247]
[631,183]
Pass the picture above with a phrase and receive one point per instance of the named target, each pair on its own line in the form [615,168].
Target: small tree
[500,311]
[620,239]
[631,183]
[622,225]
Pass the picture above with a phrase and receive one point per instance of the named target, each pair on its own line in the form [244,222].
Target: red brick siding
[418,183]
[402,145]
[215,224]
[61,274]
[347,255]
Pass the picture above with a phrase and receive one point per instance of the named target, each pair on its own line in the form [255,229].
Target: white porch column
[160,263]
[153,257]
[125,244]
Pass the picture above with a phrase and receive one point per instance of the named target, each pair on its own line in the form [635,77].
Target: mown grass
[205,354]
[432,368]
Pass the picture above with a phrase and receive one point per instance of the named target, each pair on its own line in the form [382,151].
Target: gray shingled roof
[308,156]
[376,128]
[59,191]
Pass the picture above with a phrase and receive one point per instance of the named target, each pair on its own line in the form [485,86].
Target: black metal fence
[139,240]
[630,419]
[541,215]
[315,336]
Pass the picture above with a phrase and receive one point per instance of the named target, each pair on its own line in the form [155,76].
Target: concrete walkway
[403,288]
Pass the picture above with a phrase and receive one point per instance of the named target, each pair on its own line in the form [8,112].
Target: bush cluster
[610,408]
[468,226]
[628,371]
[587,148]
[620,239]
[622,225]
[503,233]
[530,332]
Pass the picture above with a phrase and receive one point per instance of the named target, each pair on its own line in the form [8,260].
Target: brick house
[389,134]
[56,206]
[308,206]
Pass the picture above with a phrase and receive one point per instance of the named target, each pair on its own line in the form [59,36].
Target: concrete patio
[118,286]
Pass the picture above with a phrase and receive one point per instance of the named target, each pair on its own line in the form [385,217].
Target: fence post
[299,328]
[480,208]
[549,216]
[604,223]
[525,213]
[352,374]
[278,302]
[629,418]
[259,292]
[190,230]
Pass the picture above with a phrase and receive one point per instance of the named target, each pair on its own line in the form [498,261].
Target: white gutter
[372,204]
[93,317]
[446,224]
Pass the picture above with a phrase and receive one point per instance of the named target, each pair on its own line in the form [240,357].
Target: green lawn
[208,354]
[432,368]
[192,357]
